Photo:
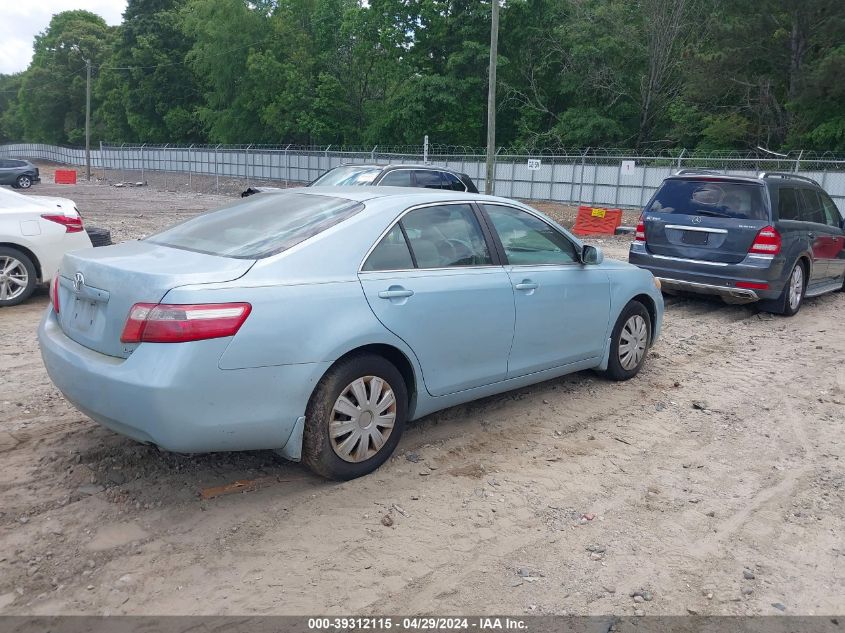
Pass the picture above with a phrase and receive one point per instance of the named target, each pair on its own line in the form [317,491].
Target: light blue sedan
[318,321]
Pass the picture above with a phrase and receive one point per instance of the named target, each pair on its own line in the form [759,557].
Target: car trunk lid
[97,287]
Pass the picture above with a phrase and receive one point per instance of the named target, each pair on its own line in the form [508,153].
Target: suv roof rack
[706,172]
[785,174]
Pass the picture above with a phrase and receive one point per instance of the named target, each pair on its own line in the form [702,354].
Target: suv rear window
[258,226]
[716,198]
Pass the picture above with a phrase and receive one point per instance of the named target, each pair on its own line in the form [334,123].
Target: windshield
[258,226]
[716,198]
[347,175]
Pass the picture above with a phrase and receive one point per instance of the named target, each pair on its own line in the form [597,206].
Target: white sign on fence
[628,167]
[534,164]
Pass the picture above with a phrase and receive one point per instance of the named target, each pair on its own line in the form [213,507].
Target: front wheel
[355,417]
[629,342]
[24,181]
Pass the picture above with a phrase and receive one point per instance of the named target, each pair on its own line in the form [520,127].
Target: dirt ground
[713,483]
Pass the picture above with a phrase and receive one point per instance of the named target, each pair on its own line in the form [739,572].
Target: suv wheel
[24,181]
[790,300]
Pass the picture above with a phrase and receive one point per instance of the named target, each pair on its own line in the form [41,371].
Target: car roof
[399,166]
[760,179]
[414,195]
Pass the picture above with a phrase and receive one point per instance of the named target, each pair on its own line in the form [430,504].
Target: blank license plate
[696,238]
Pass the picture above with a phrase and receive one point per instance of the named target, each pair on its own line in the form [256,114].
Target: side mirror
[591,255]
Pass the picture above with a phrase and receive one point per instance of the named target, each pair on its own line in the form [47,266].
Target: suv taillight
[72,224]
[767,242]
[179,323]
[54,293]
[639,234]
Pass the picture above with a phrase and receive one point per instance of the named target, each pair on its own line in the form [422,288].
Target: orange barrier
[65,177]
[597,221]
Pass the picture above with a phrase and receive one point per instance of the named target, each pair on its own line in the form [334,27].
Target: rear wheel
[629,342]
[355,417]
[24,181]
[790,300]
[17,277]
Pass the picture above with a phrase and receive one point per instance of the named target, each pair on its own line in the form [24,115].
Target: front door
[562,306]
[432,282]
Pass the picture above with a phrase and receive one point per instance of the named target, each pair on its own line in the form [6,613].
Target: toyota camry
[318,321]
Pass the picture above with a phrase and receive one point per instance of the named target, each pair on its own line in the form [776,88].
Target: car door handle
[812,236]
[527,284]
[395,293]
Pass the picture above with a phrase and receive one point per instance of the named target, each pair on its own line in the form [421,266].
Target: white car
[35,233]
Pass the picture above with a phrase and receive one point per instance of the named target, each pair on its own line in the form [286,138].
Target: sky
[23,20]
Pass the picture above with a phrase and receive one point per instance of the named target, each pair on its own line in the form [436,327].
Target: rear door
[834,220]
[819,234]
[6,172]
[433,282]
[709,219]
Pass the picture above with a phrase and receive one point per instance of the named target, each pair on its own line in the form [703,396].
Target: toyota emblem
[78,282]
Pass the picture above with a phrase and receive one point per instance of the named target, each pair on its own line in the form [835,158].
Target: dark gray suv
[21,174]
[775,238]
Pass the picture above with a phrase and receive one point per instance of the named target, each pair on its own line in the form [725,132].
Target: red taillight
[767,242]
[54,293]
[165,323]
[639,234]
[72,224]
[752,285]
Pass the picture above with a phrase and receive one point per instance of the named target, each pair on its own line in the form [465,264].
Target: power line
[40,86]
[184,62]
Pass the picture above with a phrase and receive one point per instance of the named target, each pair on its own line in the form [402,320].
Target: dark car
[775,238]
[389,176]
[21,174]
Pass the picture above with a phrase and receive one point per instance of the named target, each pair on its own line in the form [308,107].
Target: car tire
[335,444]
[98,236]
[788,303]
[629,342]
[15,265]
[24,181]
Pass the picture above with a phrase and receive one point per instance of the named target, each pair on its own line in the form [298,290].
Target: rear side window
[258,226]
[391,253]
[452,182]
[812,210]
[717,198]
[788,205]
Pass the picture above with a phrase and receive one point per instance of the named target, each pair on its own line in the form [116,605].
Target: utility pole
[491,98]
[88,120]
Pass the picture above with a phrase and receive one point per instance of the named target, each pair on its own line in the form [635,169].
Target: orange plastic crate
[597,221]
[65,177]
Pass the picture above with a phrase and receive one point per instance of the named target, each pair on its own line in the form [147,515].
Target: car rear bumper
[762,276]
[176,396]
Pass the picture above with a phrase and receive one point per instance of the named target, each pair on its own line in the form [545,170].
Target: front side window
[348,175]
[716,198]
[788,206]
[528,240]
[258,226]
[397,178]
[446,236]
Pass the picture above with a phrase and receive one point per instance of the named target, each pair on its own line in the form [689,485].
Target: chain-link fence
[608,177]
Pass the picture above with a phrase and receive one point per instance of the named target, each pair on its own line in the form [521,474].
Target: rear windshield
[721,199]
[349,175]
[258,226]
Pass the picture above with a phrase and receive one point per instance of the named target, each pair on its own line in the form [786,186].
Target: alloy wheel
[796,287]
[13,278]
